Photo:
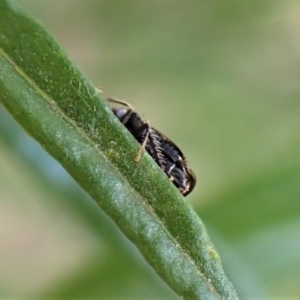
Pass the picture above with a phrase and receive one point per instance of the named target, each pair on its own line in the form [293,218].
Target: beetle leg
[146,126]
[171,178]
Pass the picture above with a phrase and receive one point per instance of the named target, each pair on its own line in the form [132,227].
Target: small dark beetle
[165,153]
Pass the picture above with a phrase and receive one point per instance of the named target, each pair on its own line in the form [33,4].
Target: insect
[164,152]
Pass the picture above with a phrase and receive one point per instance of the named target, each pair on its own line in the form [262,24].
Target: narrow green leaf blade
[61,109]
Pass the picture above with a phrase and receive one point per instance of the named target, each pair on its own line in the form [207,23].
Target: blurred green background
[221,79]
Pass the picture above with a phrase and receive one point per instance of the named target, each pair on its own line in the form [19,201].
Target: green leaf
[58,106]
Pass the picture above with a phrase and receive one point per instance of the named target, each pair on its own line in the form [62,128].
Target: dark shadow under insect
[164,152]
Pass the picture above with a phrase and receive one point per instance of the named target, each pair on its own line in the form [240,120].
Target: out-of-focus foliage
[221,79]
